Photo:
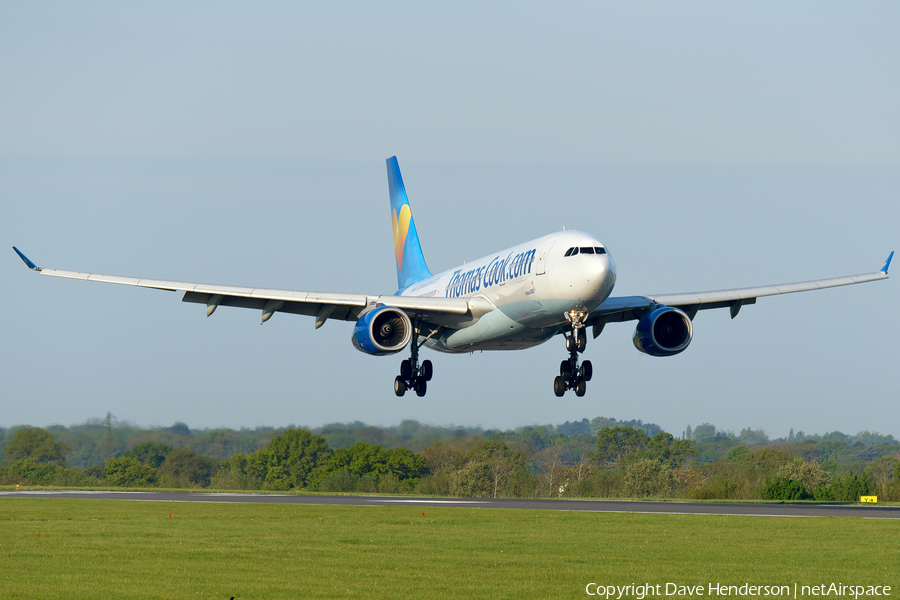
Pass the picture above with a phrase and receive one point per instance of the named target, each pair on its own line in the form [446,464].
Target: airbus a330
[559,284]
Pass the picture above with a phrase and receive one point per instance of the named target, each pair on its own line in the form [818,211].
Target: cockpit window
[586,250]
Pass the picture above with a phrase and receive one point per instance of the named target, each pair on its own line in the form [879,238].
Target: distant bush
[473,480]
[846,488]
[129,472]
[339,481]
[37,473]
[185,468]
[782,488]
[719,487]
[649,477]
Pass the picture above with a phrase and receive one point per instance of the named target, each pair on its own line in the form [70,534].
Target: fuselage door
[542,259]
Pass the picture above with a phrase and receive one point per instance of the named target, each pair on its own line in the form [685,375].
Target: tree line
[601,457]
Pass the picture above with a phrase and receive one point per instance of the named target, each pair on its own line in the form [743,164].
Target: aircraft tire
[427,370]
[421,387]
[406,369]
[399,386]
[581,340]
[580,388]
[559,386]
[587,370]
[570,343]
[565,369]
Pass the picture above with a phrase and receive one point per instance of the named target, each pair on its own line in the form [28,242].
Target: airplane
[559,284]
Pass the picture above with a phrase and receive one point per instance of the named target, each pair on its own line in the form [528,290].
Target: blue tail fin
[411,267]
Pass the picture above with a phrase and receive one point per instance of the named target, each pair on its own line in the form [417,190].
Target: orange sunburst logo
[401,228]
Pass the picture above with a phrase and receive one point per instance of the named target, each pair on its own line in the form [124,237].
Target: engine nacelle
[663,332]
[382,331]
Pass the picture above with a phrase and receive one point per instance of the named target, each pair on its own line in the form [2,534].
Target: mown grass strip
[53,548]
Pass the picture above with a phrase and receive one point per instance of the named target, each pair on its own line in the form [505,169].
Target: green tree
[881,470]
[736,453]
[649,477]
[363,460]
[150,453]
[666,449]
[810,474]
[185,468]
[783,488]
[500,459]
[129,472]
[36,445]
[288,460]
[753,437]
[234,474]
[473,480]
[846,488]
[598,423]
[703,431]
[615,444]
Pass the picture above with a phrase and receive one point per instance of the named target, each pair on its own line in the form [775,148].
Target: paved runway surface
[690,508]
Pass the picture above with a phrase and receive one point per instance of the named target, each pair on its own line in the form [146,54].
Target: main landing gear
[412,375]
[571,375]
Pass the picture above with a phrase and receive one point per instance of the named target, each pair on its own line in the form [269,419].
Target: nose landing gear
[571,375]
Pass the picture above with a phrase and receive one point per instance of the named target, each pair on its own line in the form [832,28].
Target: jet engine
[382,331]
[664,332]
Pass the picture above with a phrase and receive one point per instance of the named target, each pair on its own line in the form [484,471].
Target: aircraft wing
[322,305]
[628,308]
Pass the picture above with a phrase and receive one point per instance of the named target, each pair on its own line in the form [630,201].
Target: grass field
[53,548]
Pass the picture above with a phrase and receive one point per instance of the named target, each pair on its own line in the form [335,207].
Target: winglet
[34,267]
[887,263]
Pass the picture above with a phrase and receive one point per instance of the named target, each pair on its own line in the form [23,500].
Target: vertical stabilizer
[411,267]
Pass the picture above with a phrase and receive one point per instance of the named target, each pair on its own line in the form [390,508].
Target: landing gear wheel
[572,375]
[399,385]
[587,370]
[413,374]
[559,386]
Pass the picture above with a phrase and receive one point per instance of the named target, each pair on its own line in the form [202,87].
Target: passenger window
[600,250]
[569,251]
[587,250]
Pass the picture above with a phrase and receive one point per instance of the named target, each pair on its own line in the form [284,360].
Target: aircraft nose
[595,267]
[599,276]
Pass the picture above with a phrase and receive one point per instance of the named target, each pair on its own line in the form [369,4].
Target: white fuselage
[528,288]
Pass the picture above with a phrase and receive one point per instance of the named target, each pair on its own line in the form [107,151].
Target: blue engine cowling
[663,332]
[382,331]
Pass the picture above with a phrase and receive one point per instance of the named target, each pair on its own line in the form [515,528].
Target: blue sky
[707,145]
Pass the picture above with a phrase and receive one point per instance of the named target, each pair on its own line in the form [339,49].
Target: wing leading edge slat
[339,306]
[627,308]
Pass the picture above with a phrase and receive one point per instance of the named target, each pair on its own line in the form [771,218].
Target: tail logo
[401,228]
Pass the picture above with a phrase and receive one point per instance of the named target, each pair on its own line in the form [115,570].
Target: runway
[618,506]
